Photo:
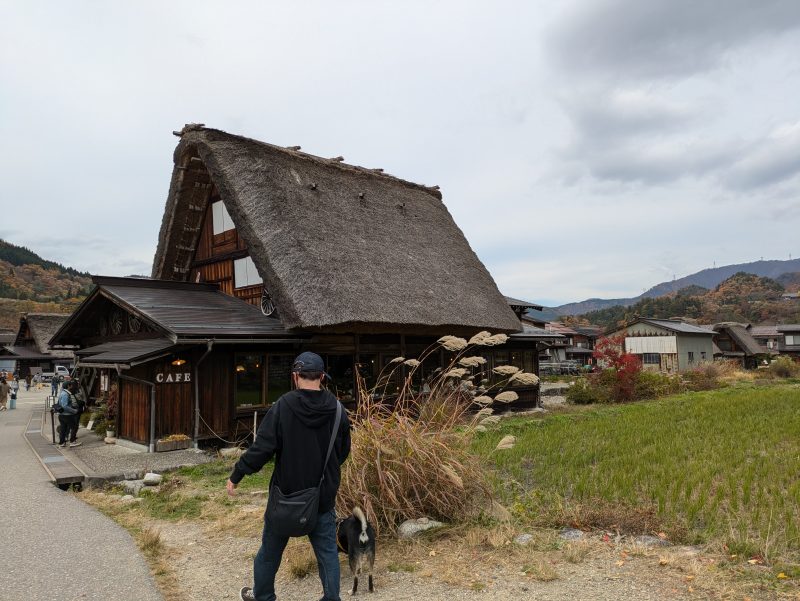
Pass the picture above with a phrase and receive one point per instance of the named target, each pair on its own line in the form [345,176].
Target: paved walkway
[53,547]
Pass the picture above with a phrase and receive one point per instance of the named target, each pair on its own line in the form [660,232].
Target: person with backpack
[69,410]
[308,433]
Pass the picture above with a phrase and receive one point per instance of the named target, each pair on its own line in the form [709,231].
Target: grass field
[719,467]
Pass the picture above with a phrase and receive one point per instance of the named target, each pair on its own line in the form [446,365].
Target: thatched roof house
[339,247]
[36,330]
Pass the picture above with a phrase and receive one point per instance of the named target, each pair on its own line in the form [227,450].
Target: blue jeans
[323,540]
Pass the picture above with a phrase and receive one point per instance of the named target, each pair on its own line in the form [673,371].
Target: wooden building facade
[265,252]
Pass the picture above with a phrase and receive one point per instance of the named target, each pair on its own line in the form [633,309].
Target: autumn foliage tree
[622,368]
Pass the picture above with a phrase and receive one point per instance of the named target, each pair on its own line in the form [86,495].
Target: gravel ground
[216,566]
[98,459]
[54,546]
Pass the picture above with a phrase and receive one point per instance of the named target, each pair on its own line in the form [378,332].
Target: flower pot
[172,445]
[110,433]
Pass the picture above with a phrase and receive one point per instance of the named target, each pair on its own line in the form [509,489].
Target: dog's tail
[363,537]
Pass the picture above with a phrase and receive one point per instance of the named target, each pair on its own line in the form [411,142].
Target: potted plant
[110,412]
[173,442]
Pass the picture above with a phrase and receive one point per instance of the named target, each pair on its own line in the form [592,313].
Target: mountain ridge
[707,278]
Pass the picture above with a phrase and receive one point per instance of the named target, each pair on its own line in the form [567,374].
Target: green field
[720,467]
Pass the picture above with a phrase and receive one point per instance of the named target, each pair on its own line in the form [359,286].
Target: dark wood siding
[134,412]
[216,394]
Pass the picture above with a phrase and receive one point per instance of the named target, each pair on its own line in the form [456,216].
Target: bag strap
[333,439]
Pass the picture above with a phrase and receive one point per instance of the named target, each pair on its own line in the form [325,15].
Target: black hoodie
[297,430]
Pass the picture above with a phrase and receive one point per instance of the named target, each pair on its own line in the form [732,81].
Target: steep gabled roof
[338,247]
[42,326]
[741,336]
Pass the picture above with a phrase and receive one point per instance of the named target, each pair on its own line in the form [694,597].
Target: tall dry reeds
[410,453]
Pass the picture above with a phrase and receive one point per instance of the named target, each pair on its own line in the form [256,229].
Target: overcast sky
[587,149]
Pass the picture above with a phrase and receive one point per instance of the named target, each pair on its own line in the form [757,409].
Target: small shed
[667,345]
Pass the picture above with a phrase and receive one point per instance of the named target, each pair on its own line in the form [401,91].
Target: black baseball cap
[308,362]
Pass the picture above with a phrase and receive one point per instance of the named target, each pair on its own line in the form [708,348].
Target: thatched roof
[339,247]
[740,334]
[42,327]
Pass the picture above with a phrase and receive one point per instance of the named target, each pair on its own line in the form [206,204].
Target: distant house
[783,339]
[790,345]
[30,351]
[733,341]
[667,345]
[767,337]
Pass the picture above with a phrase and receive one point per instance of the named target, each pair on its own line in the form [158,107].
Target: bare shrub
[784,367]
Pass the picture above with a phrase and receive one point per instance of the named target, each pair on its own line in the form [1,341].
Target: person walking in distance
[69,408]
[300,430]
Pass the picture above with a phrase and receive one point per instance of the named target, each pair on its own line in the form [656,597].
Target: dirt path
[215,566]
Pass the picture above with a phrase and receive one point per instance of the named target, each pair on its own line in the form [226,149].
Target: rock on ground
[411,528]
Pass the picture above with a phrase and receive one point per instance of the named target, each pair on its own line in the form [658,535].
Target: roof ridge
[294,151]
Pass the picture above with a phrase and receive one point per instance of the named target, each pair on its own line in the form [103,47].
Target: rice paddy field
[719,468]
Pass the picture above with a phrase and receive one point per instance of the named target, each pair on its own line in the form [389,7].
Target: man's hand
[231,487]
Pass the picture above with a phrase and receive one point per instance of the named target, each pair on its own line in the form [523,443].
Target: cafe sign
[173,378]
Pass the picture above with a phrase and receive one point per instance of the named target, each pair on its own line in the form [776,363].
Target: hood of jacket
[312,407]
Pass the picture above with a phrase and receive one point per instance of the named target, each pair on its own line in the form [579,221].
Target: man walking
[69,407]
[297,431]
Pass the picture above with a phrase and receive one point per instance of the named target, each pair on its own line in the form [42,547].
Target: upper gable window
[245,273]
[222,221]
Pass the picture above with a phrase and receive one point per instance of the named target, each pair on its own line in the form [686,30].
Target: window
[691,357]
[245,273]
[279,376]
[651,359]
[222,221]
[702,355]
[340,369]
[792,339]
[770,343]
[249,380]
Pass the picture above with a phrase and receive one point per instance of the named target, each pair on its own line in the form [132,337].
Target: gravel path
[40,524]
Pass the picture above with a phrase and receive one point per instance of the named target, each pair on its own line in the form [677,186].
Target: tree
[622,367]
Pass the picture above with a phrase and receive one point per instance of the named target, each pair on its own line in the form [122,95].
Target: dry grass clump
[299,558]
[150,542]
[411,456]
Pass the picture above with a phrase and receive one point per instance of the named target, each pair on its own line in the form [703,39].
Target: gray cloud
[663,38]
[772,160]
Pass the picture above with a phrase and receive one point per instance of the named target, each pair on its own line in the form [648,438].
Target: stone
[127,498]
[523,539]
[132,475]
[651,541]
[411,528]
[152,479]
[571,534]
[231,452]
[132,487]
[110,440]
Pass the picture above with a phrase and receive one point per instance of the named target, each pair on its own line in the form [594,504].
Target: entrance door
[134,412]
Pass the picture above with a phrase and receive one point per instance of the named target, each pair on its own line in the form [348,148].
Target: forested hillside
[29,283]
[743,297]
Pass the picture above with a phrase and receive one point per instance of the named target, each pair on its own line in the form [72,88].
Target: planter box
[172,445]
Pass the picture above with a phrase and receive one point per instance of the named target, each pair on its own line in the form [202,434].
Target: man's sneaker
[63,445]
[246,594]
[75,443]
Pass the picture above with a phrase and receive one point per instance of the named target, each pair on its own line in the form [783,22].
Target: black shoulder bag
[296,514]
